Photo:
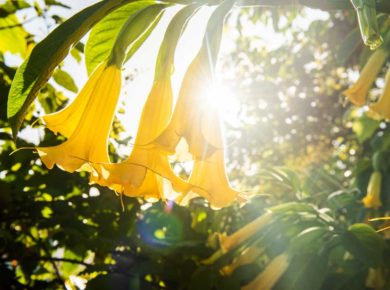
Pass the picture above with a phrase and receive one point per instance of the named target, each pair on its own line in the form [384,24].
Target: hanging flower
[357,94]
[66,120]
[271,274]
[87,142]
[250,229]
[145,171]
[191,111]
[197,121]
[382,107]
[248,256]
[372,199]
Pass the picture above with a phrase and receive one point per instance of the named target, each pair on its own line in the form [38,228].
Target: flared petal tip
[51,156]
[356,98]
[371,202]
[222,199]
[378,112]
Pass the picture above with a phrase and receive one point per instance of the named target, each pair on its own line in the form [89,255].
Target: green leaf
[213,35]
[64,79]
[348,46]
[140,40]
[46,55]
[13,36]
[166,53]
[103,36]
[132,30]
[364,127]
[364,244]
[341,199]
[203,278]
[309,240]
[305,272]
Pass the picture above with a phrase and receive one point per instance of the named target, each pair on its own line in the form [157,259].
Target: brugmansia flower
[189,119]
[228,243]
[143,173]
[196,120]
[87,140]
[372,199]
[248,256]
[272,273]
[66,120]
[382,107]
[234,240]
[357,93]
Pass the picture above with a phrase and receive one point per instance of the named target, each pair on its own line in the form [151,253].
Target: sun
[225,100]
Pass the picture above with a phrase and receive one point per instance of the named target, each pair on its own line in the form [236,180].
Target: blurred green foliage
[299,150]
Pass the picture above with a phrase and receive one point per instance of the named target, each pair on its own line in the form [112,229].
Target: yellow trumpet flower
[382,107]
[196,120]
[357,93]
[372,199]
[188,120]
[272,273]
[87,141]
[248,256]
[235,239]
[143,173]
[66,120]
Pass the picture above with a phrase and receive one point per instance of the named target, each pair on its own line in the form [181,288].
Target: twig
[53,262]
[72,261]
[19,24]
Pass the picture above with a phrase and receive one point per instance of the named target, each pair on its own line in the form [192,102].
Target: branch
[50,259]
[47,252]
[19,24]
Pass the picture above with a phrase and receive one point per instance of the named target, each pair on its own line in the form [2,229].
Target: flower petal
[88,142]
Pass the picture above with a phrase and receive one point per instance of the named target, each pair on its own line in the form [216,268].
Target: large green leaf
[46,55]
[364,244]
[102,37]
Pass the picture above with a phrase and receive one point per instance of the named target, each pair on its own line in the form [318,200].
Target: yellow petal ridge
[372,199]
[88,142]
[382,107]
[145,171]
[66,120]
[357,93]
[272,273]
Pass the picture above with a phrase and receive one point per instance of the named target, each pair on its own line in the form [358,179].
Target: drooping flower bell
[236,239]
[143,173]
[147,171]
[382,107]
[271,274]
[88,129]
[66,120]
[248,256]
[357,93]
[191,111]
[372,198]
[87,121]
[197,121]
[250,229]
